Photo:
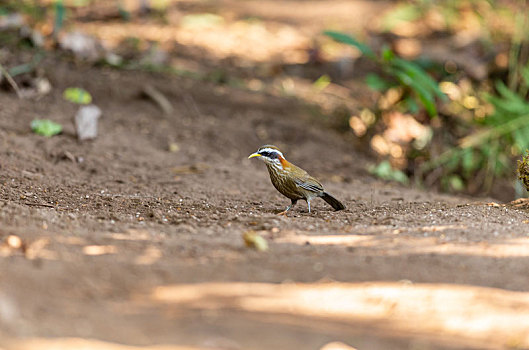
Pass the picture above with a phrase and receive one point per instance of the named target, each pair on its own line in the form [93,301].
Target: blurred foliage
[60,13]
[431,120]
[46,127]
[419,86]
[201,20]
[487,152]
[483,125]
[32,8]
[385,171]
[77,95]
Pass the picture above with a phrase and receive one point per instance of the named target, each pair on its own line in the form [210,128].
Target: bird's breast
[283,182]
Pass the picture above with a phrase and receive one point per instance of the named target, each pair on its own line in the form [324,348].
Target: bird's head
[271,155]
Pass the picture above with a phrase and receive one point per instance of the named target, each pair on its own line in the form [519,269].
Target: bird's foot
[287,209]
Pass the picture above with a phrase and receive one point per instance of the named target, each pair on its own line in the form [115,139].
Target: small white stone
[86,122]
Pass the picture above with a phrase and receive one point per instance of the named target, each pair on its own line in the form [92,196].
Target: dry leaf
[255,241]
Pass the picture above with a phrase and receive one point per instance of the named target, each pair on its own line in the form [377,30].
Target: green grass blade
[349,40]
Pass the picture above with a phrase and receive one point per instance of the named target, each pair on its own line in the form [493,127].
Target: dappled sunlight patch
[501,249]
[132,235]
[336,345]
[31,249]
[469,313]
[84,344]
[346,240]
[439,228]
[235,39]
[66,248]
[149,256]
[38,250]
[71,240]
[99,249]
[396,243]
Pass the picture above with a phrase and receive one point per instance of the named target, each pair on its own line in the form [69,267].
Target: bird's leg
[308,204]
[288,208]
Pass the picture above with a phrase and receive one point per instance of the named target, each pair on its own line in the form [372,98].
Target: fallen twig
[39,205]
[10,80]
[159,99]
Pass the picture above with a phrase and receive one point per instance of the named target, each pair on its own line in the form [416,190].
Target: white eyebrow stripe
[271,150]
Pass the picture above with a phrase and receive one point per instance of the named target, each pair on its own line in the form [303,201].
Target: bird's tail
[333,202]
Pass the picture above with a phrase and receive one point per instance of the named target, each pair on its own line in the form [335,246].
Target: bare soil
[134,240]
[125,242]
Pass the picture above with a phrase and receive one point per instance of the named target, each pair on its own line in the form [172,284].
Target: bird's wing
[309,186]
[307,182]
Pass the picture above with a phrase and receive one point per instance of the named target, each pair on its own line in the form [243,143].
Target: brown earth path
[124,242]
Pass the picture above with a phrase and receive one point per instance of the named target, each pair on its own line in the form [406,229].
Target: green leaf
[402,13]
[21,69]
[349,40]
[77,95]
[201,20]
[322,82]
[503,164]
[469,161]
[45,127]
[521,138]
[399,176]
[452,162]
[505,109]
[420,75]
[402,77]
[411,105]
[377,83]
[428,104]
[422,93]
[385,171]
[525,75]
[505,92]
[456,183]
[387,54]
[80,3]
[124,13]
[486,150]
[60,13]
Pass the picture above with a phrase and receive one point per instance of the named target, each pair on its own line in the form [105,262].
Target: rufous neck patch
[284,162]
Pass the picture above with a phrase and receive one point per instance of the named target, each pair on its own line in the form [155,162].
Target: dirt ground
[123,241]
[127,242]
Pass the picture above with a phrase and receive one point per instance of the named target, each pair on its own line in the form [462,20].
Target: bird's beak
[254,155]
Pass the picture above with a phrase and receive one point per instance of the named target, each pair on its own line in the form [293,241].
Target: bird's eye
[265,154]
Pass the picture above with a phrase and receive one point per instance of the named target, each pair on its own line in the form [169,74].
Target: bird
[292,181]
